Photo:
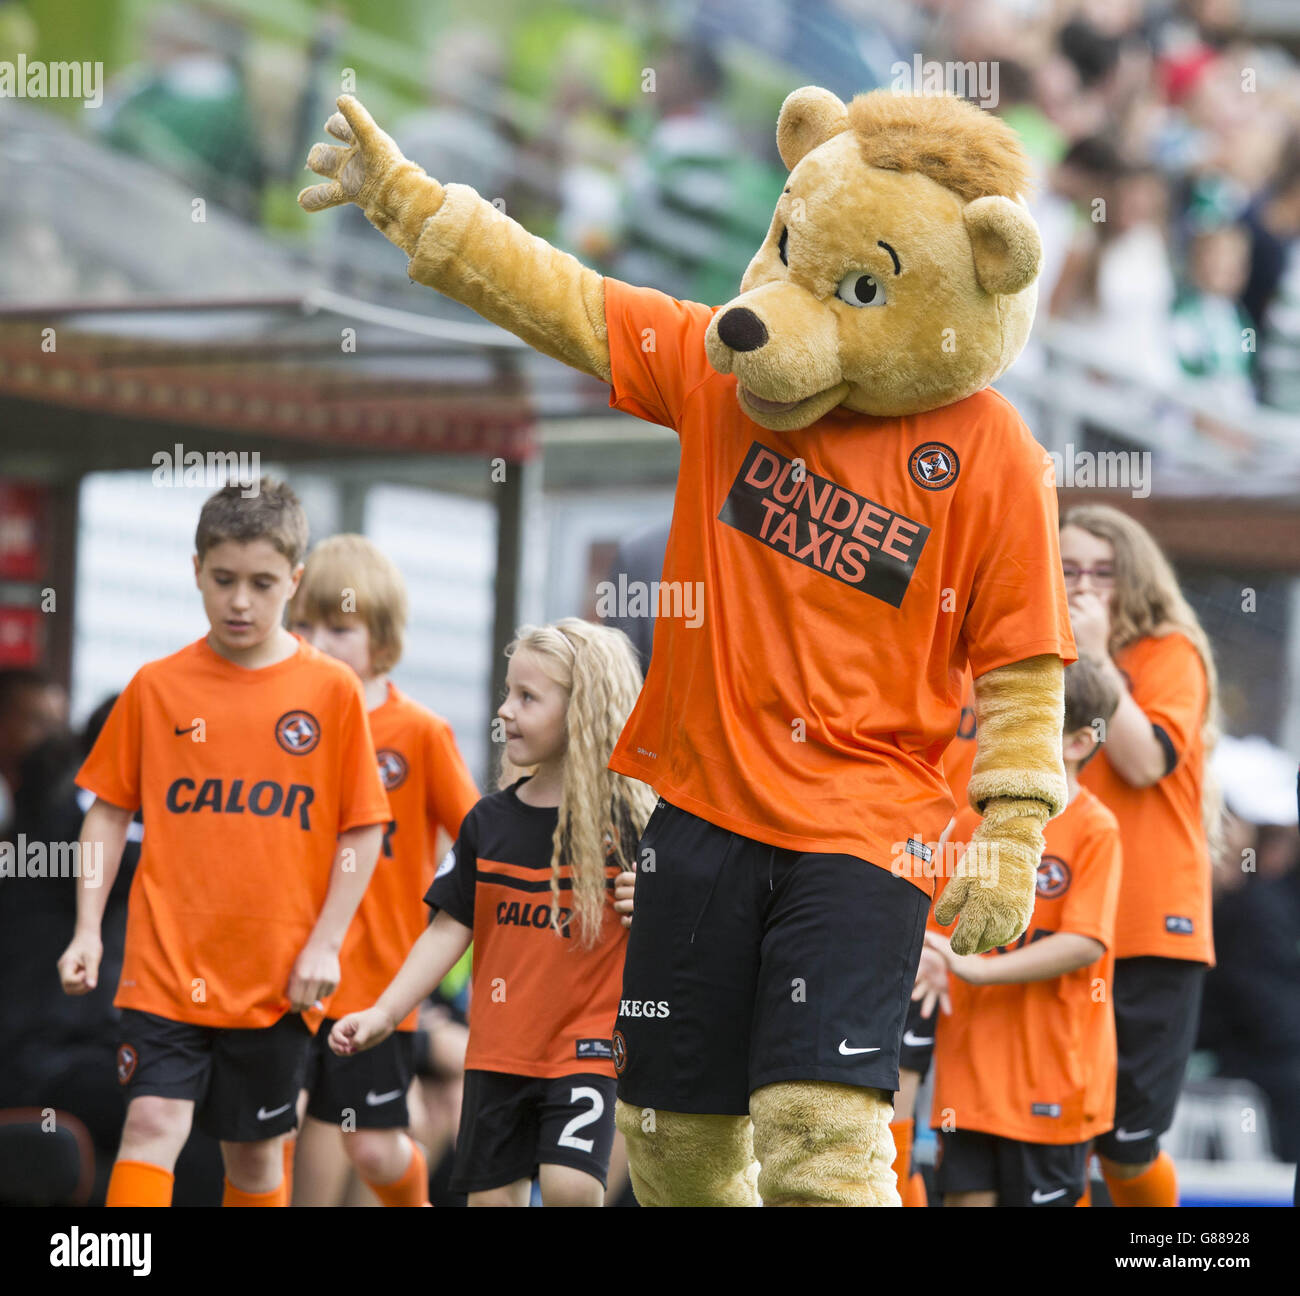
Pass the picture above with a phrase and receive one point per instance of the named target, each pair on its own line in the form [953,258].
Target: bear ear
[809,117]
[1005,241]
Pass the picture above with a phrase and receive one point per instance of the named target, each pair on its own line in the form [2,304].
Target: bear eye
[860,288]
[783,244]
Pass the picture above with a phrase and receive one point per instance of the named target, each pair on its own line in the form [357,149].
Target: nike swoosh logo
[263,1114]
[180,731]
[377,1100]
[1041,1198]
[844,1048]
[915,1041]
[1123,1136]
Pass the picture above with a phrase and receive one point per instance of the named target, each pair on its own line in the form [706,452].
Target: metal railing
[1202,443]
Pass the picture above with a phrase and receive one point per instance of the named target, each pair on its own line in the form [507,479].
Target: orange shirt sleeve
[656,351]
[1019,607]
[1092,901]
[450,793]
[362,799]
[112,770]
[1170,688]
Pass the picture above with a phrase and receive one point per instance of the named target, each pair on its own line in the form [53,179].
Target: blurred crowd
[1168,142]
[1165,135]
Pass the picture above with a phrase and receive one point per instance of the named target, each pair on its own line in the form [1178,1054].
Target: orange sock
[1155,1186]
[290,1146]
[915,1194]
[1086,1199]
[412,1189]
[139,1183]
[902,1132]
[237,1197]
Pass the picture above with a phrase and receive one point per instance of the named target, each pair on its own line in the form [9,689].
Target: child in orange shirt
[529,881]
[1154,776]
[918,1031]
[362,1101]
[250,755]
[1025,1062]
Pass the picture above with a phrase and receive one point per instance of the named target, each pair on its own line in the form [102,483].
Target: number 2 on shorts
[582,1093]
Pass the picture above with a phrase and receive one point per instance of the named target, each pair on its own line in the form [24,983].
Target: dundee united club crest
[127,1059]
[933,465]
[1053,877]
[392,768]
[297,732]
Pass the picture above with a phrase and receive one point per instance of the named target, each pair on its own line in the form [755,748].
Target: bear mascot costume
[866,521]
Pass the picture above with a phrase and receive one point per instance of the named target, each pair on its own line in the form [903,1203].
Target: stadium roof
[314,371]
[119,307]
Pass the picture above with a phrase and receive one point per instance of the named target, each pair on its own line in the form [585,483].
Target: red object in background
[20,636]
[1182,74]
[22,531]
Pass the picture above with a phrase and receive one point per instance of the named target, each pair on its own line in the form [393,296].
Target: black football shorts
[1022,1174]
[510,1125]
[748,965]
[244,1083]
[365,1090]
[1157,1012]
[918,1038]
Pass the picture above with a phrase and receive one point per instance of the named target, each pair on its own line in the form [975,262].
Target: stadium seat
[46,1158]
[1221,1120]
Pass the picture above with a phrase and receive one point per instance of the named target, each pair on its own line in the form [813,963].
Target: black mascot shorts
[748,965]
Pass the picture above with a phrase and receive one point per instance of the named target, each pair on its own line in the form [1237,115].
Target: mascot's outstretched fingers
[823,1144]
[677,1159]
[462,245]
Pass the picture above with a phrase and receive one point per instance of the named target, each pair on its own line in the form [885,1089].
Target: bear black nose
[742,330]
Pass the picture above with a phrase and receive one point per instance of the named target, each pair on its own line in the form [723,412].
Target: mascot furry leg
[823,1144]
[817,1144]
[677,1159]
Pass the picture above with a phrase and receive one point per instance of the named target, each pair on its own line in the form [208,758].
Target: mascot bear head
[899,271]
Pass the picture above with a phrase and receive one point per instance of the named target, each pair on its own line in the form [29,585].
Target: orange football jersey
[245,779]
[428,787]
[849,573]
[1165,902]
[1035,1060]
[959,758]
[541,1004]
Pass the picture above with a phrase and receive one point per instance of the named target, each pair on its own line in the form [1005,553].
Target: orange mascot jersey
[541,1004]
[960,756]
[848,572]
[1164,907]
[245,778]
[1035,1060]
[428,787]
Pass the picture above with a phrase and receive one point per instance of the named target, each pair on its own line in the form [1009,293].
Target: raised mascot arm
[462,245]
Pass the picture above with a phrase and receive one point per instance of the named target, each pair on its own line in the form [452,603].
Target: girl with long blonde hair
[530,882]
[601,813]
[1127,610]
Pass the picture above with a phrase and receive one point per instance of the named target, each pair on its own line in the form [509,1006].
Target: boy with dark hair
[250,754]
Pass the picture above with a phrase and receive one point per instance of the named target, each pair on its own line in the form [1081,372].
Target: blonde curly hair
[601,814]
